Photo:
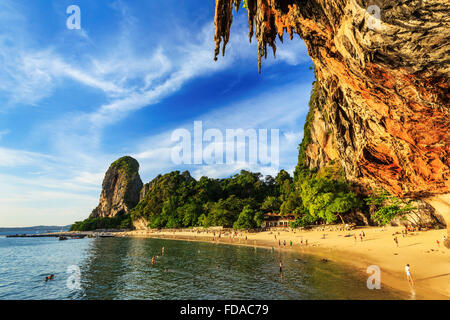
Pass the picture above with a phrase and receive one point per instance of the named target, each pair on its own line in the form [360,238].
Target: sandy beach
[429,263]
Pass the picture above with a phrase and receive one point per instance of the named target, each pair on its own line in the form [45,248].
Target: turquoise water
[120,268]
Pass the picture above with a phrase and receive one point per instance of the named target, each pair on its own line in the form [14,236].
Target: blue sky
[73,101]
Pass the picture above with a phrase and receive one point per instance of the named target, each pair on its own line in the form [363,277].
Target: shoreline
[377,248]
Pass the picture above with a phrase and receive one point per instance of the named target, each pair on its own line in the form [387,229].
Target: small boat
[62,238]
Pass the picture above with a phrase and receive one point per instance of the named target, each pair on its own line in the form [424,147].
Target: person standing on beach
[153,260]
[281,267]
[396,241]
[408,275]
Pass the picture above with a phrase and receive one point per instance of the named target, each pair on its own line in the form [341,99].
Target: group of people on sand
[406,232]
[362,235]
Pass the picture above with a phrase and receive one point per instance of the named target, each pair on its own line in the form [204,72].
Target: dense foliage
[325,195]
[126,165]
[119,222]
[178,200]
[387,207]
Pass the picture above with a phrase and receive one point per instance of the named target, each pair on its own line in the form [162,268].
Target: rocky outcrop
[423,216]
[384,83]
[144,191]
[120,189]
[140,224]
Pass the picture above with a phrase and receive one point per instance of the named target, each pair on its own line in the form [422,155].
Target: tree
[271,204]
[201,222]
[292,205]
[387,206]
[245,219]
[342,203]
[325,194]
[258,218]
[219,215]
[189,213]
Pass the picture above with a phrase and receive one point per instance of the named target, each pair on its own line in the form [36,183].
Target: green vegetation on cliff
[129,168]
[126,165]
[325,194]
[315,102]
[178,200]
[387,207]
[119,222]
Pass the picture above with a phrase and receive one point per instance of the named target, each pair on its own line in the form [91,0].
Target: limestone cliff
[384,85]
[120,189]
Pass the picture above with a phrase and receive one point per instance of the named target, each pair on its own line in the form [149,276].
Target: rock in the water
[120,189]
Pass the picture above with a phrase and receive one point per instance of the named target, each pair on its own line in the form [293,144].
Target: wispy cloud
[259,112]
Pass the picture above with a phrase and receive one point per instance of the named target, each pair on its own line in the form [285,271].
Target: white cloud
[154,153]
[16,158]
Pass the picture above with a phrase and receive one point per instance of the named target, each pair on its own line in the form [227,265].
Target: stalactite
[263,20]
[222,21]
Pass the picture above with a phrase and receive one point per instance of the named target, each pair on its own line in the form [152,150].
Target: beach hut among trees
[276,220]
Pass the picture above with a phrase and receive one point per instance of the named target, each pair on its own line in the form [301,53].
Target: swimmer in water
[153,260]
[50,277]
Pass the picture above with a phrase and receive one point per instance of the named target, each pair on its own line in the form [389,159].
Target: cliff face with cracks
[384,86]
[120,189]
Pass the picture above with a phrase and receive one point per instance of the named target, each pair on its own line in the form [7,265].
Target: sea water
[121,268]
